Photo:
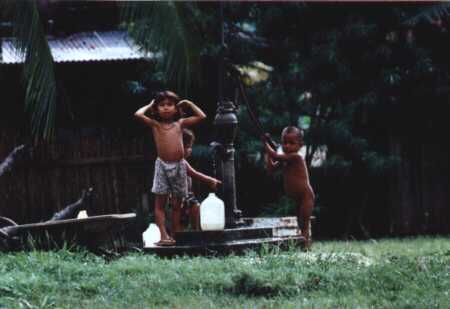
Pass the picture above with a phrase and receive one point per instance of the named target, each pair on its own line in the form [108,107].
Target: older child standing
[295,176]
[170,167]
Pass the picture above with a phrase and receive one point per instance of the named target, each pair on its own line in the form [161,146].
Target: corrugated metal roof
[82,47]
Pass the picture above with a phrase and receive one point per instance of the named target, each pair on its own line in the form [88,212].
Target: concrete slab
[258,232]
[226,247]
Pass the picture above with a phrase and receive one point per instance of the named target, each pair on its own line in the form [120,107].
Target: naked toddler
[295,176]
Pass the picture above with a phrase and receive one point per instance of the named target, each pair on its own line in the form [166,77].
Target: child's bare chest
[291,167]
[293,174]
[167,132]
[169,142]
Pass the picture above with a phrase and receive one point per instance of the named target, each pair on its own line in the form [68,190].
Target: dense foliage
[362,73]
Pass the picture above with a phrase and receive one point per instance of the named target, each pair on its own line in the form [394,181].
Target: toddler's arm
[271,165]
[273,155]
[210,181]
[140,114]
[198,116]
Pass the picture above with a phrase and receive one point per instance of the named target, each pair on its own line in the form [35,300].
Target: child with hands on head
[170,177]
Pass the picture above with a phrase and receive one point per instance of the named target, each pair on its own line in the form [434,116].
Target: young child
[170,167]
[191,206]
[295,176]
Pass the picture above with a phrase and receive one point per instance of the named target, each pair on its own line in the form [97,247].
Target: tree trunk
[401,212]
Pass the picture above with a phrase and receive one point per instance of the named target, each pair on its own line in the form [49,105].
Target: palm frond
[39,74]
[165,28]
[429,13]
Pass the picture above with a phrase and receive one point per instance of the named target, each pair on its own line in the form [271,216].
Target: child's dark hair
[169,95]
[294,129]
[188,137]
[163,95]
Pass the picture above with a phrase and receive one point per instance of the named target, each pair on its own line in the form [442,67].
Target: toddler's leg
[304,212]
[195,217]
[176,215]
[160,216]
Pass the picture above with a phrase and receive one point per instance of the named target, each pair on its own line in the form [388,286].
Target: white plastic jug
[212,213]
[151,235]
[82,214]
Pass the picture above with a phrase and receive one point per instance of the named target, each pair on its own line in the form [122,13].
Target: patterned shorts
[170,178]
[186,211]
[190,201]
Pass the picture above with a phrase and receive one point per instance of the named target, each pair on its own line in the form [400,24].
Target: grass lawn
[390,273]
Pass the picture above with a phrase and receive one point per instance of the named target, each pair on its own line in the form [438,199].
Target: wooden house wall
[49,177]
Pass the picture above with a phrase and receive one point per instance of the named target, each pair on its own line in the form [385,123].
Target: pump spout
[216,148]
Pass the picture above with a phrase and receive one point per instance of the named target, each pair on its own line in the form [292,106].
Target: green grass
[403,273]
